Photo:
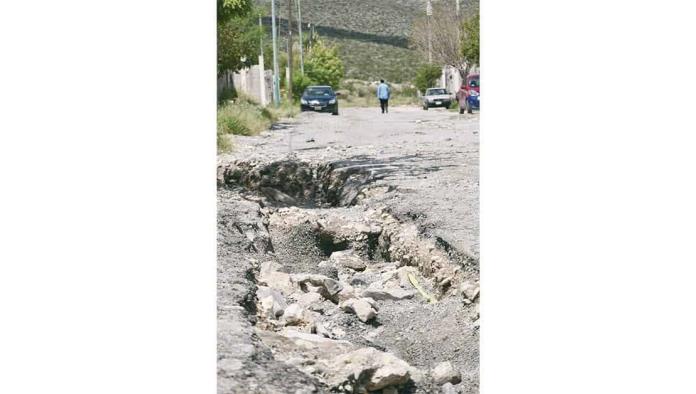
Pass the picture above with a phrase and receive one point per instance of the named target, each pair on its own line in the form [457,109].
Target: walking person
[383,93]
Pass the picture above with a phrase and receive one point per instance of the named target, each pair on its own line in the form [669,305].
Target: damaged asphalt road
[348,255]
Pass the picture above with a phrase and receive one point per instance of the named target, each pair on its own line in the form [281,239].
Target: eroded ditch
[337,295]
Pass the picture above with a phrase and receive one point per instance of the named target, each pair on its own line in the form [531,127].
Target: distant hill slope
[372,35]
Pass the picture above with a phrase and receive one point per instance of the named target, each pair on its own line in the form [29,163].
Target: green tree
[426,76]
[323,66]
[470,39]
[227,9]
[299,84]
[238,35]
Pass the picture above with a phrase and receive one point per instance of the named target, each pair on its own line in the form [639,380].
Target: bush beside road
[243,116]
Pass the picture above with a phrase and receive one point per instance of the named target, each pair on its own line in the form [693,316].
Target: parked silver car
[437,97]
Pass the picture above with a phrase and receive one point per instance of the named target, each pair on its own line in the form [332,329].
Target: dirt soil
[348,255]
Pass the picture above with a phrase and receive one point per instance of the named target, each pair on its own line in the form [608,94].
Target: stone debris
[313,352]
[272,303]
[444,372]
[448,388]
[295,315]
[308,299]
[348,259]
[347,292]
[367,228]
[337,333]
[393,294]
[270,277]
[372,335]
[369,369]
[322,330]
[469,290]
[327,287]
[320,268]
[361,307]
[372,302]
[328,330]
[402,276]
[338,363]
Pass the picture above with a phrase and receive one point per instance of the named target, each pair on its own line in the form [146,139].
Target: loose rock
[444,372]
[295,315]
[394,294]
[372,335]
[347,292]
[402,275]
[469,290]
[369,368]
[361,307]
[348,259]
[328,287]
[308,299]
[372,302]
[322,330]
[270,277]
[271,301]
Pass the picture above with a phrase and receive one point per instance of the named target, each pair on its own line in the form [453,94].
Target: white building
[451,79]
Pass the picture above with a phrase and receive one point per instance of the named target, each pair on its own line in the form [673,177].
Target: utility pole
[289,50]
[429,14]
[276,77]
[299,26]
[260,39]
[262,76]
[457,7]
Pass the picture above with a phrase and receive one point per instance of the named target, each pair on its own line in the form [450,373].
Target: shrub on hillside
[372,36]
[409,91]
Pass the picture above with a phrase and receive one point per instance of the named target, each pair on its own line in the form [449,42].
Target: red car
[469,94]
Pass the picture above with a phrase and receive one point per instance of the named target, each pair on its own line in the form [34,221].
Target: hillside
[372,36]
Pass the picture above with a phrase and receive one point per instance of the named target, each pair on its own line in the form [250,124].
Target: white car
[437,97]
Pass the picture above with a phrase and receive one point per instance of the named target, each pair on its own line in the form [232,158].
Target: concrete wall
[224,82]
[247,81]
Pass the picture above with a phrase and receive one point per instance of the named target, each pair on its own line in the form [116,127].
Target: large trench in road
[322,290]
